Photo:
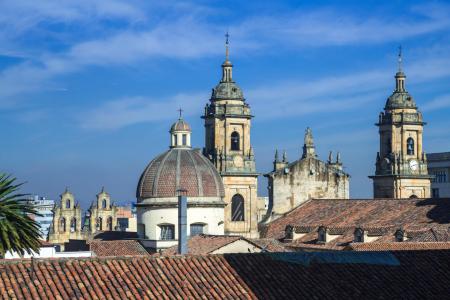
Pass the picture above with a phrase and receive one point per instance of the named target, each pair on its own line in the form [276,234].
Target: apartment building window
[440,177]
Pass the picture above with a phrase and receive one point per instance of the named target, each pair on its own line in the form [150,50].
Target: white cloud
[188,36]
[133,110]
[442,101]
[328,27]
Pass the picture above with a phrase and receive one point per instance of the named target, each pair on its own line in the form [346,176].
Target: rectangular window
[167,232]
[184,139]
[435,193]
[440,177]
[196,229]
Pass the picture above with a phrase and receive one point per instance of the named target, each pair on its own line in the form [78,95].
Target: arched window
[109,222]
[104,203]
[67,203]
[237,208]
[99,224]
[73,225]
[410,146]
[413,196]
[62,225]
[235,141]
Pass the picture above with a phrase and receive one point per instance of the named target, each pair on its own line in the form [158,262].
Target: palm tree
[18,232]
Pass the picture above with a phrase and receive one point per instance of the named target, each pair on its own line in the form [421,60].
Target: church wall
[212,217]
[307,179]
[247,187]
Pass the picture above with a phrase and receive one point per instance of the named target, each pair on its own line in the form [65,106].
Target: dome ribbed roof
[180,125]
[227,91]
[180,169]
[400,100]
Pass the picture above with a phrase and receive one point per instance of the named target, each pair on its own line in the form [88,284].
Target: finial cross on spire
[227,36]
[400,58]
[180,111]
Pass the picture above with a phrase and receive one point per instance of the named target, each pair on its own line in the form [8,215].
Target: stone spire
[308,147]
[284,156]
[400,76]
[227,66]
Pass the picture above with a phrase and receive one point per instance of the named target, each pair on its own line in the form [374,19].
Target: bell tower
[227,144]
[401,163]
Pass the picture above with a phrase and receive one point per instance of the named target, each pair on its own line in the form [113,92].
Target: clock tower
[227,144]
[401,163]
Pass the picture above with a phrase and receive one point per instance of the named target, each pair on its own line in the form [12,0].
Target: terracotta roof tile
[374,213]
[397,246]
[310,275]
[204,244]
[117,248]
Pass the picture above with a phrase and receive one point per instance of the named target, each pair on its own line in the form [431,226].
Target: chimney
[182,222]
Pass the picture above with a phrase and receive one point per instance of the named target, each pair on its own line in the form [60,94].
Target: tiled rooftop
[117,248]
[309,275]
[377,214]
[396,246]
[206,244]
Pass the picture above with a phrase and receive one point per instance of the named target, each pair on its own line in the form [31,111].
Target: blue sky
[89,89]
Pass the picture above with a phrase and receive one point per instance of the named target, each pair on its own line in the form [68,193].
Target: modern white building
[45,208]
[439,167]
[183,170]
[48,250]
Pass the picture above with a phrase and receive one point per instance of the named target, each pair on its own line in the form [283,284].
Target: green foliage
[18,232]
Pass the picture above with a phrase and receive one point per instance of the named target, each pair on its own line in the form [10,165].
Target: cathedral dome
[180,169]
[227,91]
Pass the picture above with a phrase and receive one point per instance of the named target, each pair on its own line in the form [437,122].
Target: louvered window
[237,208]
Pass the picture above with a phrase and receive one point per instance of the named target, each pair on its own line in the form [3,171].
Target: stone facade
[228,146]
[291,184]
[102,214]
[401,163]
[68,222]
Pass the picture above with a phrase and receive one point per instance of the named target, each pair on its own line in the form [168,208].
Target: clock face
[413,165]
[238,162]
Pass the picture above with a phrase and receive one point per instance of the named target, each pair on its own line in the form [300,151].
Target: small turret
[277,164]
[180,133]
[308,147]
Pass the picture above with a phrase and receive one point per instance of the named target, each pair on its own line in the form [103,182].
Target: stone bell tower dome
[401,163]
[228,146]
